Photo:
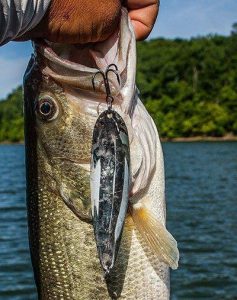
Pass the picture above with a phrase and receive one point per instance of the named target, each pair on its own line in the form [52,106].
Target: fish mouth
[69,69]
[74,65]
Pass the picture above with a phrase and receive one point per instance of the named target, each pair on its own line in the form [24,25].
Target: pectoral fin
[156,235]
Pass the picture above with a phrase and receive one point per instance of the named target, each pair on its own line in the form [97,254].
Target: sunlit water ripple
[201,209]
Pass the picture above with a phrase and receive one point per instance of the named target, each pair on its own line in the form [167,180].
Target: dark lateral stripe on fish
[110,176]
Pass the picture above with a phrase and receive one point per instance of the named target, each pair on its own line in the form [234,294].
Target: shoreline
[227,138]
[12,143]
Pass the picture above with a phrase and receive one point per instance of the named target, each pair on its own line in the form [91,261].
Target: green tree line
[11,117]
[188,86]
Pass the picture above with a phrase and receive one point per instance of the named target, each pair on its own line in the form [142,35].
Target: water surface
[202,214]
[201,209]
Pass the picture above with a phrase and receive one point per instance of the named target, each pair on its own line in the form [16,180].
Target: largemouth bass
[61,109]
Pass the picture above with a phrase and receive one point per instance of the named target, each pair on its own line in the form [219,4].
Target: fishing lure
[110,176]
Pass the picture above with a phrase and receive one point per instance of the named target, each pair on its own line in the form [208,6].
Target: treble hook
[111,68]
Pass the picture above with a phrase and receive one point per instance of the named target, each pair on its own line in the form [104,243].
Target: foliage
[188,86]
[11,117]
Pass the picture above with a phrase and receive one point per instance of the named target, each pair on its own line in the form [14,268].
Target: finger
[143,15]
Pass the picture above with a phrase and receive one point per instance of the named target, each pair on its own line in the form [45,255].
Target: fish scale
[53,258]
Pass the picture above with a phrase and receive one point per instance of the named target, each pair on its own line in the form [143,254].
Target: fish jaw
[110,178]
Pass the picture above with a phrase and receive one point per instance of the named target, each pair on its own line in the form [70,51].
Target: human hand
[77,21]
[81,21]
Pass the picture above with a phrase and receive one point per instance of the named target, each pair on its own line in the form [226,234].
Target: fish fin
[160,241]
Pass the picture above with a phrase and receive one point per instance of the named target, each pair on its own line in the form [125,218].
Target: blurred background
[187,75]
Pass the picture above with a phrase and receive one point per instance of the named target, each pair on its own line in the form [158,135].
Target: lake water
[202,215]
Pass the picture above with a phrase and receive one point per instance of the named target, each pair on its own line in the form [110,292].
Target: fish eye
[47,109]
